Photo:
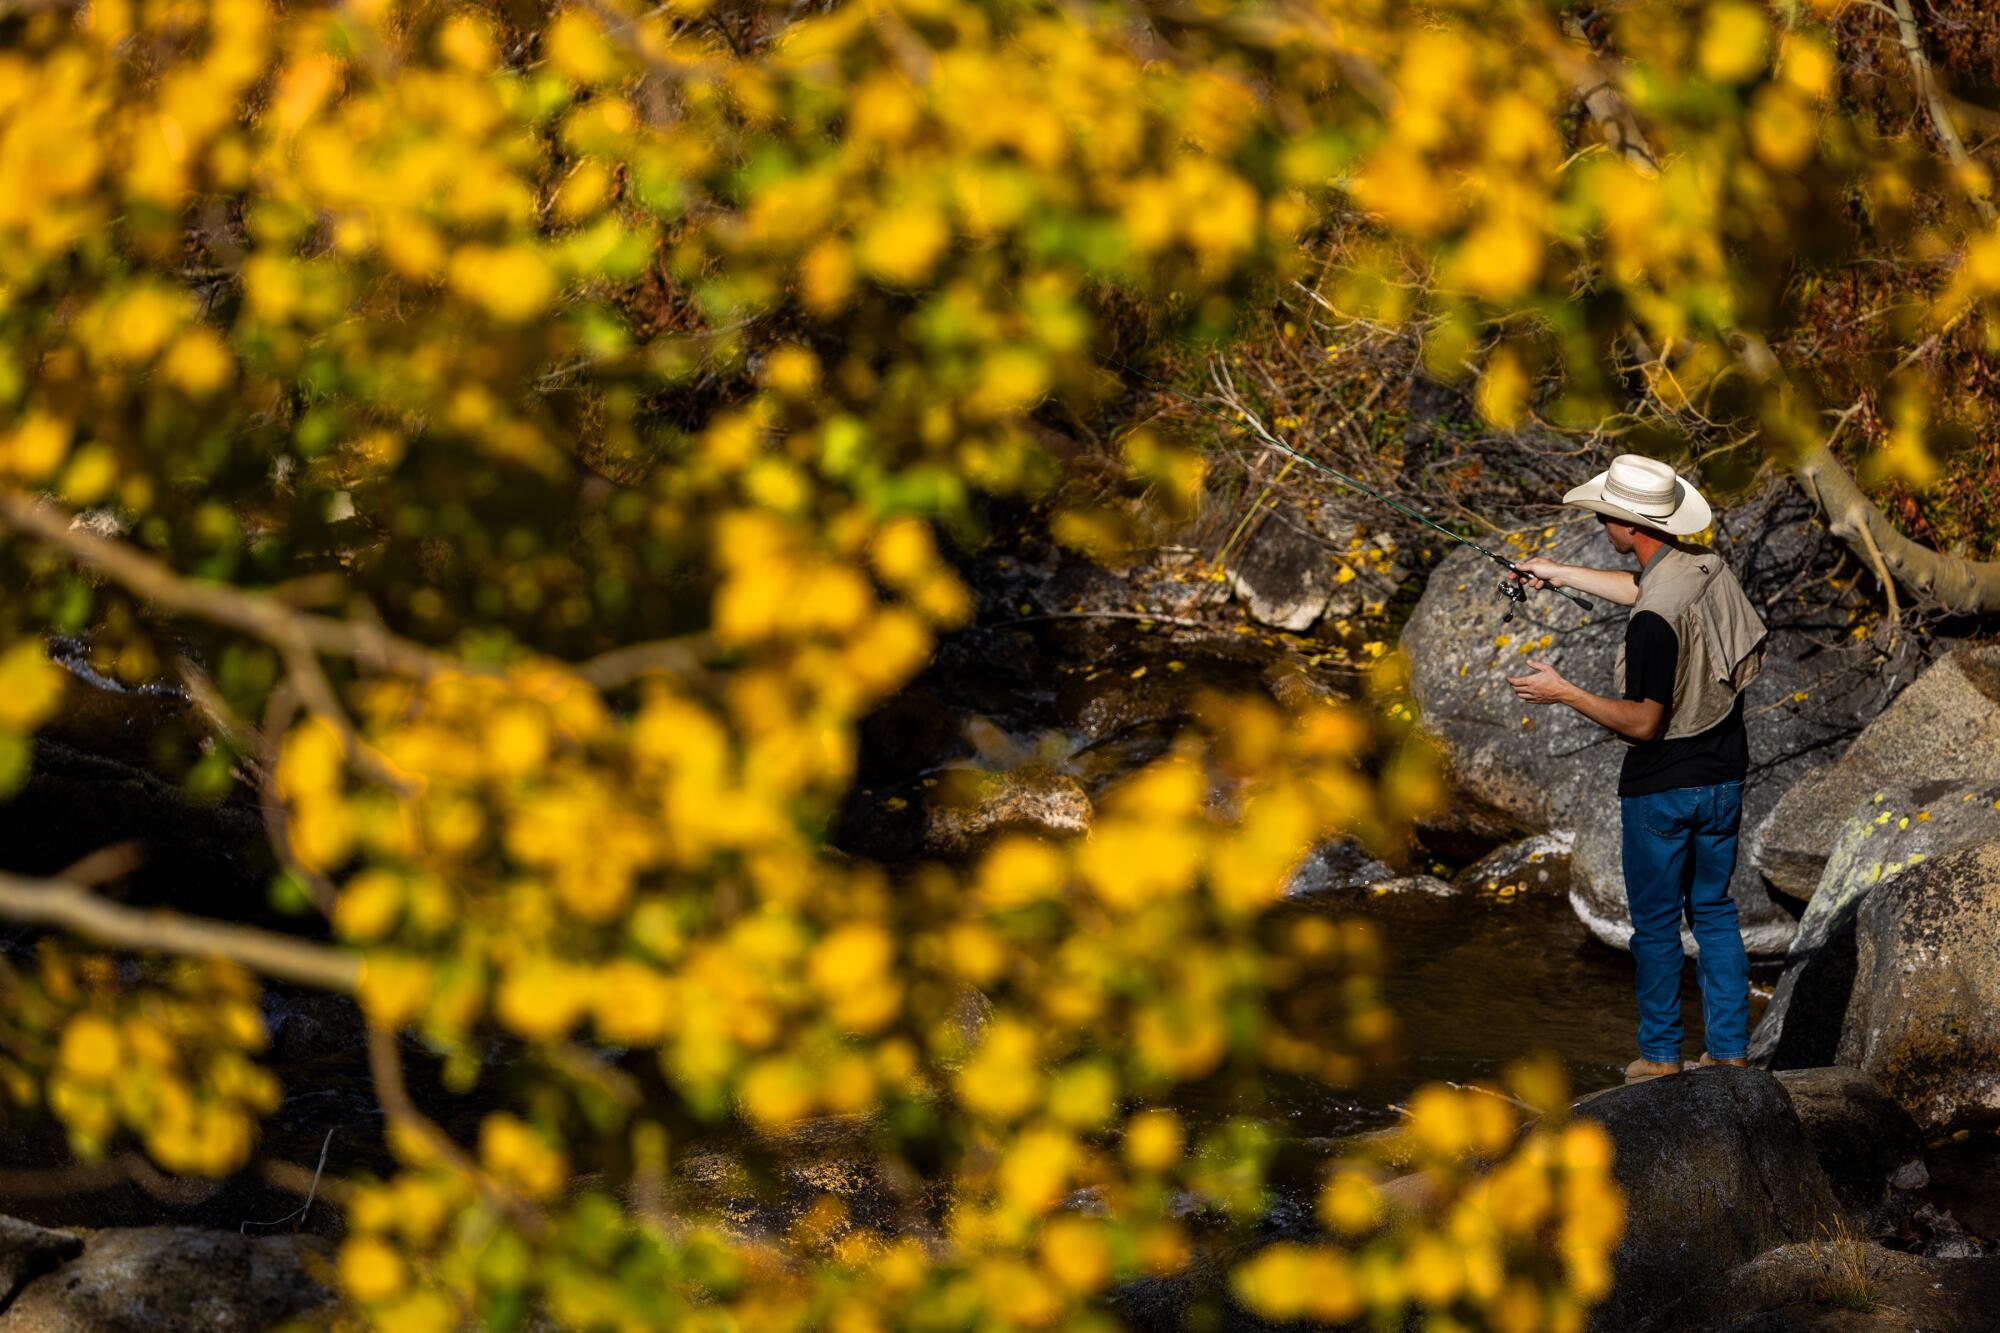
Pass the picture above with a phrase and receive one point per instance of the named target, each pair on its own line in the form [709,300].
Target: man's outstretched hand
[1542,685]
[1538,573]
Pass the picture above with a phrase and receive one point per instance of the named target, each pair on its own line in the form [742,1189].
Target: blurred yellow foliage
[622,365]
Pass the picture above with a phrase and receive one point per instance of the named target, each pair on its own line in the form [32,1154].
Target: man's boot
[1708,1061]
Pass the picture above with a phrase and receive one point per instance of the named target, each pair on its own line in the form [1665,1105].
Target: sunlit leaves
[540,336]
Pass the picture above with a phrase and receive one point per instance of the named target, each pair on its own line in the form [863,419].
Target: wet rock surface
[1545,768]
[1717,1169]
[170,1279]
[1945,726]
[1334,868]
[1886,833]
[1023,801]
[1538,864]
[1924,1016]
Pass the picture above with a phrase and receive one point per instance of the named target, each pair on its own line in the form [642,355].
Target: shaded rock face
[1891,830]
[28,1251]
[1945,725]
[1339,878]
[1866,1144]
[1548,768]
[1924,1017]
[1717,1169]
[76,802]
[1333,868]
[157,1279]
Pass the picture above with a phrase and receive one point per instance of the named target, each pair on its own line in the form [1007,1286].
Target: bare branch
[385,1065]
[257,614]
[1934,102]
[57,903]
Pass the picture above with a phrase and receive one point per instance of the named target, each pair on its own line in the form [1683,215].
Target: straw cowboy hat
[1645,491]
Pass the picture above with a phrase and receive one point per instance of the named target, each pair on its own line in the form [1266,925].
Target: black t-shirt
[1720,754]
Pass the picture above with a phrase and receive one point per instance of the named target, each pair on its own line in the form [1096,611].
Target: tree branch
[65,906]
[1934,102]
[385,1067]
[1970,587]
[256,614]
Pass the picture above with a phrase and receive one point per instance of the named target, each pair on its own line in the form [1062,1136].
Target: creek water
[1478,981]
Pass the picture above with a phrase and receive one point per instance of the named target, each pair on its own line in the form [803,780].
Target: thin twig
[298,1214]
[385,1065]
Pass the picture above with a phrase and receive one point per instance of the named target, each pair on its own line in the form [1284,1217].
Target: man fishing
[1692,645]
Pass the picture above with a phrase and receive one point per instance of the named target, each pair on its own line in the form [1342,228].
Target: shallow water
[1965,1176]
[1478,982]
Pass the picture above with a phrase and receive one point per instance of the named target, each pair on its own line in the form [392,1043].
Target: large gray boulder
[1716,1169]
[168,1279]
[1889,831]
[1945,725]
[1546,768]
[1924,1014]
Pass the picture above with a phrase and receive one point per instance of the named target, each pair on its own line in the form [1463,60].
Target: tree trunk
[1970,587]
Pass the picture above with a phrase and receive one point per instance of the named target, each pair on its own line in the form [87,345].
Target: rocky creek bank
[1752,1191]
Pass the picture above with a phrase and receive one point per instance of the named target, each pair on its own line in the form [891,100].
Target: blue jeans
[1680,850]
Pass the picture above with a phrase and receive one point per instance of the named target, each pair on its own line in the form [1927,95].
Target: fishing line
[1512,591]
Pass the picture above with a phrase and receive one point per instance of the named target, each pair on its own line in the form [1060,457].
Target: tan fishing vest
[1722,639]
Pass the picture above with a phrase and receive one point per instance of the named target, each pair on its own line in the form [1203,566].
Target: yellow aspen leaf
[1154,1140]
[198,363]
[1076,1254]
[776,1093]
[139,323]
[1503,390]
[516,740]
[576,46]
[370,1270]
[30,686]
[826,276]
[466,40]
[89,1049]
[902,244]
[1808,65]
[518,1154]
[36,447]
[512,282]
[368,905]
[1735,39]
[1036,1171]
[302,89]
[1499,260]
[1782,129]
[393,988]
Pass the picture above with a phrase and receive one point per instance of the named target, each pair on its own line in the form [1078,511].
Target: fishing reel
[1515,592]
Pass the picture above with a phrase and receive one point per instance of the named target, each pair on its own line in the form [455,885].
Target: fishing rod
[1510,588]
